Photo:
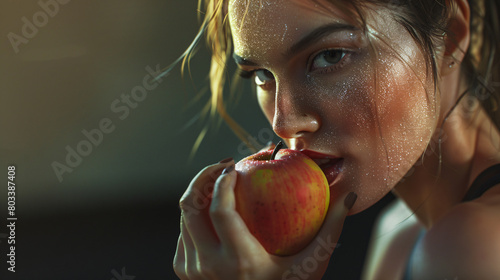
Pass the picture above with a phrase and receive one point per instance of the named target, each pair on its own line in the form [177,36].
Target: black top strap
[487,179]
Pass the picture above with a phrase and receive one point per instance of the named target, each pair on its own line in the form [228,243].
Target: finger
[190,255]
[228,224]
[180,260]
[195,204]
[330,232]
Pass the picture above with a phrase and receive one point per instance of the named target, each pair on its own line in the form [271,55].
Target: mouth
[330,165]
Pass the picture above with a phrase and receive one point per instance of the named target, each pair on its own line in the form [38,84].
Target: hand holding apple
[283,197]
[213,239]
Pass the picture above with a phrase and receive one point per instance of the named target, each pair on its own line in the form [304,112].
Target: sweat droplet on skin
[375,111]
[286,29]
[243,15]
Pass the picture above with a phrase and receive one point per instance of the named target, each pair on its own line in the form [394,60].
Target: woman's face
[326,89]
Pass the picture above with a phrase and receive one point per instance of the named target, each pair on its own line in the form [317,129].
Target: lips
[330,165]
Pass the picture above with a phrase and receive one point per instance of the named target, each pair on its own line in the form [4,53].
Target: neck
[469,145]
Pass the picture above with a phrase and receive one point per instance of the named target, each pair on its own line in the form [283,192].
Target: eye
[327,59]
[263,77]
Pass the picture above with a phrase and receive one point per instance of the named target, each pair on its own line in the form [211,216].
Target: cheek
[382,120]
[406,115]
[402,119]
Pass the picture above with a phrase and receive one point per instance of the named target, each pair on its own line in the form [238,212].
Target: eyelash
[267,85]
[246,74]
[323,70]
[345,54]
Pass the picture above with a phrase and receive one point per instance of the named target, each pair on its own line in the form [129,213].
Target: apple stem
[276,149]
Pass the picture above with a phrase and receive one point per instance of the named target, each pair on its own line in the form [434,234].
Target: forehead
[258,26]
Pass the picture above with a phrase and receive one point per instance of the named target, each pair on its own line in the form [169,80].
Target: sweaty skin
[335,94]
[366,96]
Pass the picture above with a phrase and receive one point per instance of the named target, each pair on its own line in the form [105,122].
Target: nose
[294,113]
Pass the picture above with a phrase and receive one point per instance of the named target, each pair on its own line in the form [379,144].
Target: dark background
[117,210]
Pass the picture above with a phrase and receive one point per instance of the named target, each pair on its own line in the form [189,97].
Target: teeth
[322,161]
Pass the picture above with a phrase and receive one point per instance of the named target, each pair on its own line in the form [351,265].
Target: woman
[403,93]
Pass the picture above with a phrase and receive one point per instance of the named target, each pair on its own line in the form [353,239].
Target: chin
[369,191]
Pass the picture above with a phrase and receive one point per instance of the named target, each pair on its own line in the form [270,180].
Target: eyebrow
[311,38]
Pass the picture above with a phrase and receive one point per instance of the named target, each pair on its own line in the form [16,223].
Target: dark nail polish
[226,160]
[228,169]
[350,199]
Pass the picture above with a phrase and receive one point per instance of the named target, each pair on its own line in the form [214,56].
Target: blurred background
[100,162]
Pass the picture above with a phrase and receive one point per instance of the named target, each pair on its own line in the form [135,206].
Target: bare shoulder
[392,239]
[465,244]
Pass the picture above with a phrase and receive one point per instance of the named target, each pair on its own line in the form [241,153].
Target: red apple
[283,199]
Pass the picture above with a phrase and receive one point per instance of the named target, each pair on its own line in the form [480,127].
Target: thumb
[337,212]
[325,242]
[334,221]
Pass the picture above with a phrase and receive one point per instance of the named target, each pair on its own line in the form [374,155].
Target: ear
[457,38]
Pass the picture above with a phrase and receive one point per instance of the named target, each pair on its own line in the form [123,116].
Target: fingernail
[228,169]
[226,160]
[350,199]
